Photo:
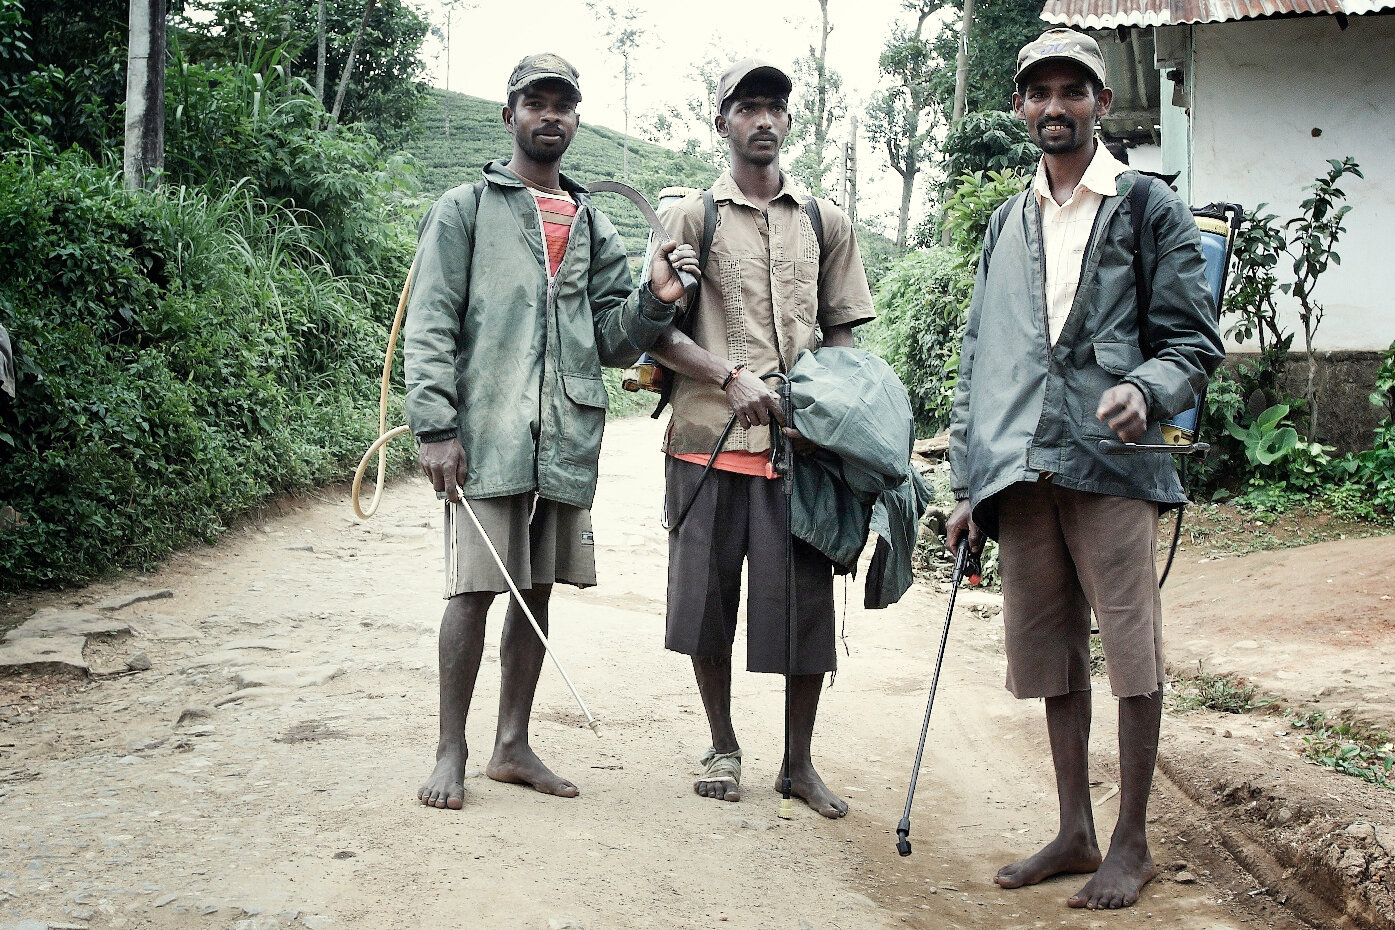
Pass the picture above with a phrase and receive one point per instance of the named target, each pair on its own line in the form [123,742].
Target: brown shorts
[541,542]
[1063,553]
[736,519]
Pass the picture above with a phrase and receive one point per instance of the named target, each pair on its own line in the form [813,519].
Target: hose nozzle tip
[786,809]
[595,726]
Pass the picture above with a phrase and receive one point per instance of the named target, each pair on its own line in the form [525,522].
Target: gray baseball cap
[748,68]
[543,67]
[1061,45]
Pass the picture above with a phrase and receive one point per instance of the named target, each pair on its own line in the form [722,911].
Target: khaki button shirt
[763,298]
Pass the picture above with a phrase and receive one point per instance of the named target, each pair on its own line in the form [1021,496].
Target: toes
[455,801]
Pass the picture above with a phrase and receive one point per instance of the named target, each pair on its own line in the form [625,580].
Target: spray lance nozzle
[903,837]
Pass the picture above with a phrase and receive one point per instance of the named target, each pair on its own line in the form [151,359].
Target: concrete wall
[1345,381]
[1260,91]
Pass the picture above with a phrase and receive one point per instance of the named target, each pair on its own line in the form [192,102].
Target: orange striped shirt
[556,209]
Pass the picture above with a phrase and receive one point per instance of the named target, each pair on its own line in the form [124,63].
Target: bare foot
[1118,882]
[721,790]
[521,766]
[446,786]
[1061,856]
[806,785]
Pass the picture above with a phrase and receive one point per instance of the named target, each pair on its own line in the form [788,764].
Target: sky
[488,37]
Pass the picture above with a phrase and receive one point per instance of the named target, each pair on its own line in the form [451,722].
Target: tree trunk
[961,70]
[1312,383]
[907,189]
[144,155]
[349,65]
[320,60]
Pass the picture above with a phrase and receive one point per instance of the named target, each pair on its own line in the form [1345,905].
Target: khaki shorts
[541,541]
[1063,553]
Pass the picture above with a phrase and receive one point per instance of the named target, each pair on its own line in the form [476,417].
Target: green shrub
[182,357]
[922,300]
[918,330]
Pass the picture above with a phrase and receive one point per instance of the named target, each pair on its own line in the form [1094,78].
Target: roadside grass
[1224,693]
[1258,524]
[1346,748]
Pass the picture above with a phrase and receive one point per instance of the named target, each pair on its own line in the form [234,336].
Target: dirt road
[262,772]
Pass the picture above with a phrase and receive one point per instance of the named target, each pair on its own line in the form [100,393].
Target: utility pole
[450,9]
[144,155]
[850,171]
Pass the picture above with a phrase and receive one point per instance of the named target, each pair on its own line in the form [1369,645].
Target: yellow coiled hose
[385,435]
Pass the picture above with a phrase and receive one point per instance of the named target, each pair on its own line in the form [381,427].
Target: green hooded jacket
[508,362]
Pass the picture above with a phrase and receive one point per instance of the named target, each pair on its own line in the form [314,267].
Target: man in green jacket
[1069,357]
[522,292]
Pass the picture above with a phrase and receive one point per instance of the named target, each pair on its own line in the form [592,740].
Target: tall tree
[961,61]
[819,89]
[144,152]
[996,29]
[349,64]
[903,116]
[383,92]
[622,30]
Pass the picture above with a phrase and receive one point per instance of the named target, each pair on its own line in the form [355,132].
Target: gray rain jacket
[1023,407]
[851,405]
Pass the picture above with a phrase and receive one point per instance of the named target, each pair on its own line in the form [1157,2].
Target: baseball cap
[1061,45]
[748,68]
[543,67]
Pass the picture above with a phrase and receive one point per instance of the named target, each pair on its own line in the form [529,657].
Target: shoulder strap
[709,229]
[1138,205]
[811,207]
[1000,215]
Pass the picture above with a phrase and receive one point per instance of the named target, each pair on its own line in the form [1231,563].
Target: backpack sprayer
[1218,223]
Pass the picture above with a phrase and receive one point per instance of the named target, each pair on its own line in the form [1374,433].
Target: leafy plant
[1312,242]
[1267,439]
[1226,693]
[968,210]
[183,356]
[1348,749]
[992,140]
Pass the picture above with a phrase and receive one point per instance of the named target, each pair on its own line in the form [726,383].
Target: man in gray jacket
[521,293]
[1069,357]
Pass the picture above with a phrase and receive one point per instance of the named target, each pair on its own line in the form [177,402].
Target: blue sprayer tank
[1217,224]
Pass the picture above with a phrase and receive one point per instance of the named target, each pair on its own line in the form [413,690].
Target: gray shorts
[1063,553]
[736,519]
[541,541]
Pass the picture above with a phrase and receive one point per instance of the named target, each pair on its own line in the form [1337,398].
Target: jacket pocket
[585,421]
[1111,362]
[1118,358]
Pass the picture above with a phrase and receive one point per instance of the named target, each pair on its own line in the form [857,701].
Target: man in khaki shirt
[767,294]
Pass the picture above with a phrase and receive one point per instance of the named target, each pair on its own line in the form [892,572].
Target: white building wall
[1262,89]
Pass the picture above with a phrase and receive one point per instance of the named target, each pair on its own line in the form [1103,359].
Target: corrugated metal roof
[1109,14]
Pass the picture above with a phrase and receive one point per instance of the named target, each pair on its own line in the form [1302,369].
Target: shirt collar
[1101,176]
[725,188]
